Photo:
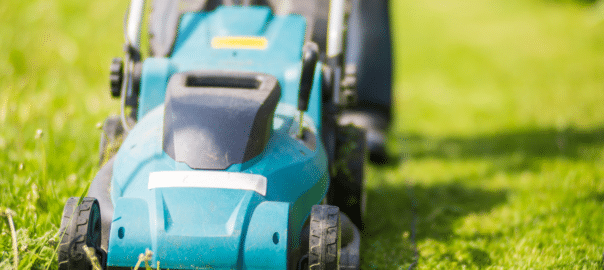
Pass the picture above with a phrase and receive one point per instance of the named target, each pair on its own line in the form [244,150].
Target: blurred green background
[498,140]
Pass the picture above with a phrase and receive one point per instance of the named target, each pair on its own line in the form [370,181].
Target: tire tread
[324,240]
[74,230]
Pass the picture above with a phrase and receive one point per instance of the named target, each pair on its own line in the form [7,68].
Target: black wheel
[80,226]
[346,189]
[325,238]
[112,137]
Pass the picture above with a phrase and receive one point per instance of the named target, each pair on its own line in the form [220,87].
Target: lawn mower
[230,155]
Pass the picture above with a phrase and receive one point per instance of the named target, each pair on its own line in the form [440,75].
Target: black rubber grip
[310,56]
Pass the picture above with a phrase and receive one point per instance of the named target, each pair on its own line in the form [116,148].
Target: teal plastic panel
[130,232]
[154,80]
[193,51]
[201,227]
[295,174]
[266,242]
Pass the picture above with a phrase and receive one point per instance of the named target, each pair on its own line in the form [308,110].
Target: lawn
[497,147]
[500,137]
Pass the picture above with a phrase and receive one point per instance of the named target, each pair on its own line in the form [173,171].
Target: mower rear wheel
[325,238]
[347,187]
[80,226]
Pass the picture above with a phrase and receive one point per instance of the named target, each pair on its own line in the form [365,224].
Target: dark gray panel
[214,119]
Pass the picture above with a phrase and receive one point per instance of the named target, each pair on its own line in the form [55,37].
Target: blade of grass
[8,213]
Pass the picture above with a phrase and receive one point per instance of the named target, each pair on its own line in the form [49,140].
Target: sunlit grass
[54,58]
[500,130]
[499,126]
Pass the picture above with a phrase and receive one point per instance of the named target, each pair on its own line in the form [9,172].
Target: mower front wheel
[325,238]
[80,226]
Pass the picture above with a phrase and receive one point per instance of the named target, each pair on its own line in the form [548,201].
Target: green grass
[54,59]
[500,126]
[499,129]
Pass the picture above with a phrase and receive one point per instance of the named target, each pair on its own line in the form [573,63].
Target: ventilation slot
[223,82]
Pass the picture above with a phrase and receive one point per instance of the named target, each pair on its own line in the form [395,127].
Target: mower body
[215,173]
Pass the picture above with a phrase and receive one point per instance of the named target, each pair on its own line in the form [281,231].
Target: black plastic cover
[214,119]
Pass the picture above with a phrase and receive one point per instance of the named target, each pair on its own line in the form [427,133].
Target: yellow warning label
[250,43]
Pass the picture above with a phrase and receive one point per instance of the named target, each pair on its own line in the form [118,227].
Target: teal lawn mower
[230,155]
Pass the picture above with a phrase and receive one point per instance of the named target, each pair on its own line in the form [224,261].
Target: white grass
[92,257]
[9,215]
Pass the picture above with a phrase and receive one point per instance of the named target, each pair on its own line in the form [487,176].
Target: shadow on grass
[579,2]
[390,209]
[529,144]
[436,208]
[390,218]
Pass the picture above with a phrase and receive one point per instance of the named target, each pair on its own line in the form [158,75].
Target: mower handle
[136,12]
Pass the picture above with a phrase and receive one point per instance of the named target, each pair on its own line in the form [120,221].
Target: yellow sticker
[251,43]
